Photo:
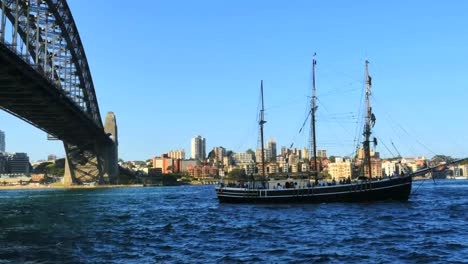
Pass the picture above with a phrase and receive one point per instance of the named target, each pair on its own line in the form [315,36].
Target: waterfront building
[272,168]
[205,171]
[458,170]
[260,168]
[227,161]
[293,159]
[389,167]
[37,177]
[258,155]
[376,166]
[339,170]
[176,154]
[2,141]
[194,171]
[242,158]
[294,168]
[305,167]
[14,179]
[18,163]
[185,164]
[198,151]
[167,164]
[280,159]
[406,165]
[373,154]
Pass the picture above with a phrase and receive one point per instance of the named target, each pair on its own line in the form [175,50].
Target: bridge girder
[44,34]
[45,80]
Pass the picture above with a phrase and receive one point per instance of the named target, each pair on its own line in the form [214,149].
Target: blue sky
[171,70]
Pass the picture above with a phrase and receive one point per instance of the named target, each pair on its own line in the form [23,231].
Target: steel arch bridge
[46,81]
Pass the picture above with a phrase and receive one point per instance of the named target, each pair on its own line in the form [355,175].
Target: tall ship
[262,189]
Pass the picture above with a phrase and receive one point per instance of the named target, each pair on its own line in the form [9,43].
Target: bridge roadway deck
[27,94]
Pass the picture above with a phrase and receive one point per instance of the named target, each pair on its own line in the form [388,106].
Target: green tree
[250,151]
[441,158]
[237,175]
[332,159]
[41,168]
[325,174]
[211,154]
[170,168]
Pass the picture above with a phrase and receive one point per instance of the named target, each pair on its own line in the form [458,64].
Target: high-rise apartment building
[18,163]
[2,141]
[271,150]
[219,153]
[305,153]
[258,155]
[3,163]
[177,154]
[198,150]
[321,153]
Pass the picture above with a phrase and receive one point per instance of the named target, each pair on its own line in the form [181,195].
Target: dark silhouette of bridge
[45,80]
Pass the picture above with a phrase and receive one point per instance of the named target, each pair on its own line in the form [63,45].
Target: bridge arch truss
[43,33]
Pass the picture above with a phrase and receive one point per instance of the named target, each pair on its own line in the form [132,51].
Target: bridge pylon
[97,163]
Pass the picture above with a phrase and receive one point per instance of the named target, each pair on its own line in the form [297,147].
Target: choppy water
[186,224]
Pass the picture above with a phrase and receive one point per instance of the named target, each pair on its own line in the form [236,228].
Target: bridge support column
[83,166]
[100,166]
[111,161]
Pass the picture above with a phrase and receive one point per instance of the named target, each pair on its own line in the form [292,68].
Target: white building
[389,167]
[242,158]
[198,150]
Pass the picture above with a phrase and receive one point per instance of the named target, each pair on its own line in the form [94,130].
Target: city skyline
[416,63]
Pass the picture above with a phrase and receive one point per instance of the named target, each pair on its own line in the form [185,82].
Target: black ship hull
[397,188]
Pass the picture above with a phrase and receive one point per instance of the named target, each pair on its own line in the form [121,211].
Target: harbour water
[186,224]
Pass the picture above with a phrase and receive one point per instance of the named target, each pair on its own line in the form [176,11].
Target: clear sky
[171,70]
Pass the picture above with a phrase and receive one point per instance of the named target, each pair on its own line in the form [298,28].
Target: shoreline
[44,187]
[29,187]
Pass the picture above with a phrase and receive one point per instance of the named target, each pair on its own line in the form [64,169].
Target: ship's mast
[312,120]
[369,119]
[261,122]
